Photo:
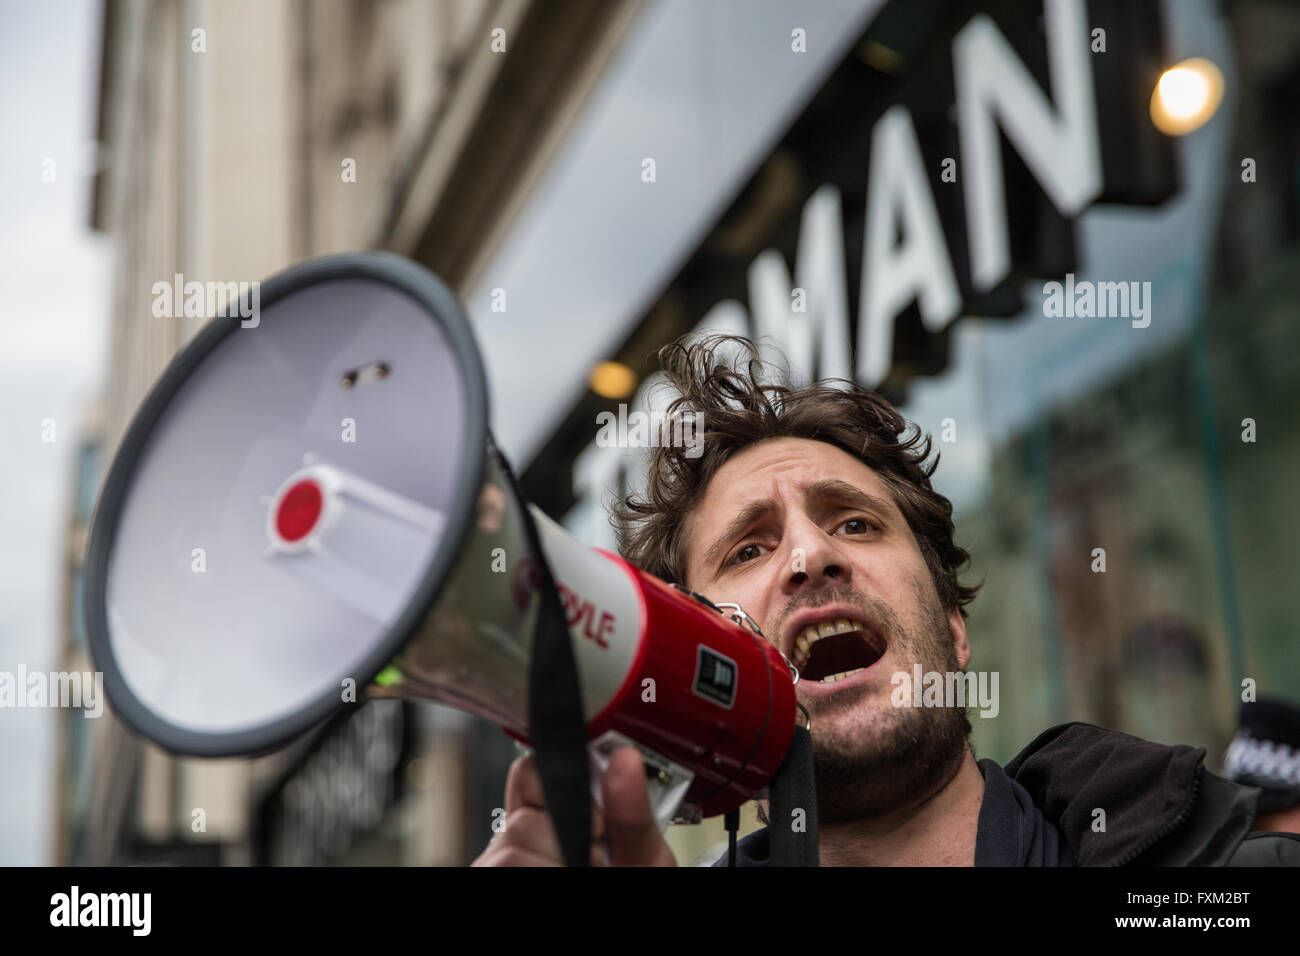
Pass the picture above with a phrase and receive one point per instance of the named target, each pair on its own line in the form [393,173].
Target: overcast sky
[54,282]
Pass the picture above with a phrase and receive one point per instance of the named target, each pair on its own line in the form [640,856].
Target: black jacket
[1161,806]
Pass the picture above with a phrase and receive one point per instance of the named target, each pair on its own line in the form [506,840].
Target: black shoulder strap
[794,839]
[555,718]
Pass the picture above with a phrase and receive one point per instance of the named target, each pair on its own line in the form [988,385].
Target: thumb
[634,837]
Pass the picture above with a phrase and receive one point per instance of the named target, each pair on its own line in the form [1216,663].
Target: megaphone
[311,504]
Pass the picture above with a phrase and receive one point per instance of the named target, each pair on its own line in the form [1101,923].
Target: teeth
[815,632]
[831,679]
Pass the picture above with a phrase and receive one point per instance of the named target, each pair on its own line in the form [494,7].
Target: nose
[815,558]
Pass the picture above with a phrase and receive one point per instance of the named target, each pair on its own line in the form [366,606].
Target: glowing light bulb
[612,380]
[1186,96]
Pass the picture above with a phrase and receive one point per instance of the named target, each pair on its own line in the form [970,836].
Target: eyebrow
[827,488]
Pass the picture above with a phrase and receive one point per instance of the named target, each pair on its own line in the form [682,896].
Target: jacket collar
[1118,799]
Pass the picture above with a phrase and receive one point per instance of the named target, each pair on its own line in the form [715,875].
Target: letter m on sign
[821,330]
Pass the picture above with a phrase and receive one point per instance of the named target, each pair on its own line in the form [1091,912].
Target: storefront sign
[960,179]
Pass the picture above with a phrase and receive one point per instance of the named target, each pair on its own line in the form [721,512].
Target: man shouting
[813,509]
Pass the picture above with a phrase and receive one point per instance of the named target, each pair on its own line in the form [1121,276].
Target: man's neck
[937,831]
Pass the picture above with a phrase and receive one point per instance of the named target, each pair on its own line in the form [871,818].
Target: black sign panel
[906,58]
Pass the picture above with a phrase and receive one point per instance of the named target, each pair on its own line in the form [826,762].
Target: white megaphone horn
[311,504]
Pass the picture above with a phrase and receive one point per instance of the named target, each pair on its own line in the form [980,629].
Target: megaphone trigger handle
[666,781]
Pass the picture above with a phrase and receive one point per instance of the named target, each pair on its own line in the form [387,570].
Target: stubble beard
[875,759]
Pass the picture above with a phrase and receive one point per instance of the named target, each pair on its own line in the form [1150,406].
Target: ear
[957,625]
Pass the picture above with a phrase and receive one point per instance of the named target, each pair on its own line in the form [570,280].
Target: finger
[524,791]
[525,830]
[508,854]
[524,785]
[532,830]
[634,837]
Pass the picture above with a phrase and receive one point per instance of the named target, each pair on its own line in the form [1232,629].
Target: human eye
[866,525]
[738,557]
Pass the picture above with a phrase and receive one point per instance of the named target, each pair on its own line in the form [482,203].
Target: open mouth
[833,650]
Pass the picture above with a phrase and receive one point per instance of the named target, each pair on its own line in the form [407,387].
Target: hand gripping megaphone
[311,502]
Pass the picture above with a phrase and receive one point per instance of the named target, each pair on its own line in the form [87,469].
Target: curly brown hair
[743,407]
